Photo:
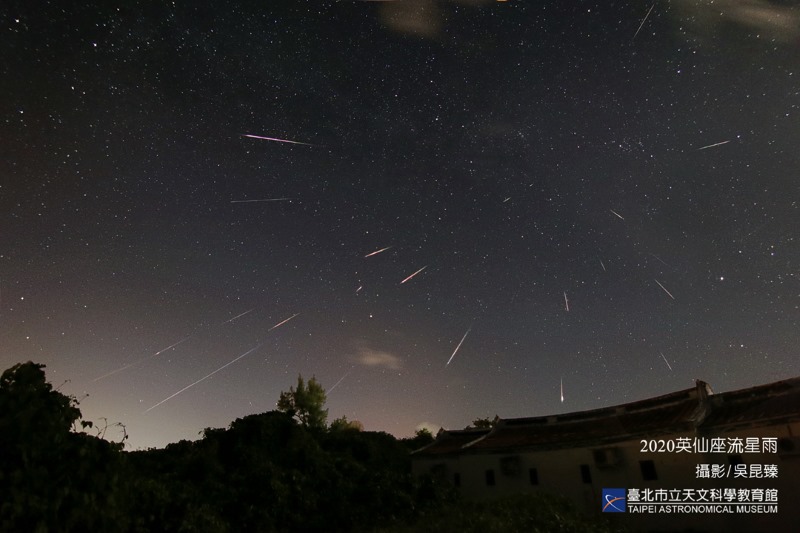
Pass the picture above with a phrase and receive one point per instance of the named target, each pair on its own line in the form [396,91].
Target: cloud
[376,358]
[421,18]
[775,21]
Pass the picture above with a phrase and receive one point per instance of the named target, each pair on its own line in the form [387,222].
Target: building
[738,451]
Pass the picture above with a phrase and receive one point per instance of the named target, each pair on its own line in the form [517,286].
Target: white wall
[559,472]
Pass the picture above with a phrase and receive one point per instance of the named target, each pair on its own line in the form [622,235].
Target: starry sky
[602,195]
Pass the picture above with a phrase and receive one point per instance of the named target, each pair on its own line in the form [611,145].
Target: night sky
[603,195]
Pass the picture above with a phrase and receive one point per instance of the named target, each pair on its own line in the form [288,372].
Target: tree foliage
[51,478]
[343,424]
[422,437]
[482,423]
[275,471]
[306,403]
[532,512]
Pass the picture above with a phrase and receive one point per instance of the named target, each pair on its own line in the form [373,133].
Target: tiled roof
[677,412]
[653,416]
[776,402]
[451,441]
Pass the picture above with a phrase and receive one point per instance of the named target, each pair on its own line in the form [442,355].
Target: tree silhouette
[343,424]
[51,477]
[482,423]
[306,403]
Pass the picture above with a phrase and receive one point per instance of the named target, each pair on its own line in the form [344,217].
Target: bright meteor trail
[279,324]
[643,21]
[262,200]
[237,316]
[376,252]
[226,365]
[665,360]
[457,347]
[713,145]
[251,350]
[414,274]
[274,139]
[665,289]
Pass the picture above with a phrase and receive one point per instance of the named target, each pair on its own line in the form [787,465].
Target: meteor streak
[117,371]
[643,21]
[376,252]
[665,360]
[566,302]
[262,200]
[279,324]
[129,365]
[602,265]
[340,380]
[562,390]
[457,347]
[251,350]
[173,345]
[665,289]
[414,274]
[662,261]
[237,316]
[274,139]
[713,145]
[620,216]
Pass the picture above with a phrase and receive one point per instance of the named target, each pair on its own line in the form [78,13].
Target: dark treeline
[266,472]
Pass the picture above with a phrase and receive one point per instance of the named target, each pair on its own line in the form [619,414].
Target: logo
[613,500]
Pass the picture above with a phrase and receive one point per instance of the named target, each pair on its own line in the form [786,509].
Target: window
[490,478]
[533,475]
[586,474]
[648,470]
